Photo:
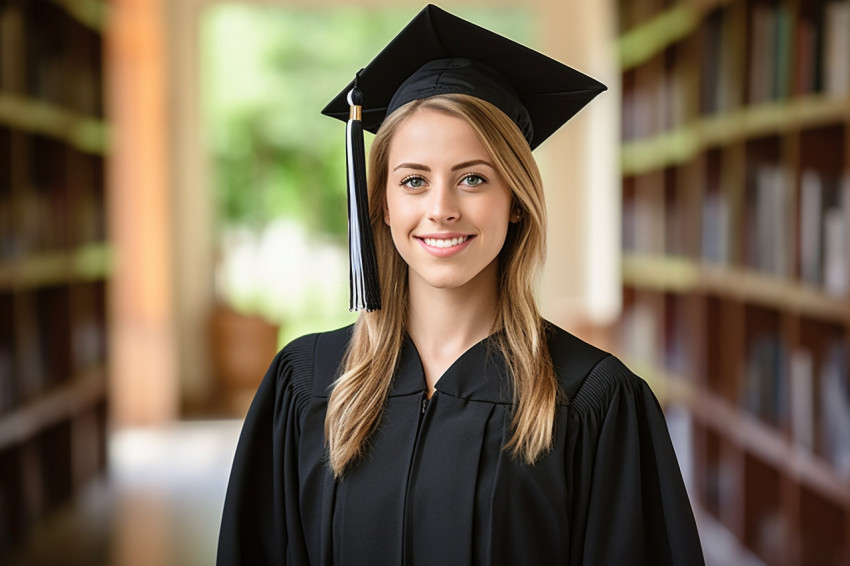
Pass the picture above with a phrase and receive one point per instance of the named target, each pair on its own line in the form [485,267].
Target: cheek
[497,213]
[398,211]
[391,213]
[395,216]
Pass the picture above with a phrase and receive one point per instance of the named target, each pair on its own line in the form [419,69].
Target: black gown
[436,488]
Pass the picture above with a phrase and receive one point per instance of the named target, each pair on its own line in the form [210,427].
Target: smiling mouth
[445,242]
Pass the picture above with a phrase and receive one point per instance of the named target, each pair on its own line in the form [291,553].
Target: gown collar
[479,374]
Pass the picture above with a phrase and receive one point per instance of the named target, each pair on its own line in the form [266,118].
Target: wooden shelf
[683,144]
[660,273]
[753,287]
[56,261]
[62,403]
[664,150]
[754,436]
[681,274]
[91,13]
[87,134]
[87,263]
[735,165]
[669,26]
[642,43]
[748,433]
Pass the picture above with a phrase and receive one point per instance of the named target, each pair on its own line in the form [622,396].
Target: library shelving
[735,185]
[54,258]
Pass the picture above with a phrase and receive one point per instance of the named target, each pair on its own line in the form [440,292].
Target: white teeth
[445,242]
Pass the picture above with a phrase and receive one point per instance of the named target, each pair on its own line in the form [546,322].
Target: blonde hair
[358,397]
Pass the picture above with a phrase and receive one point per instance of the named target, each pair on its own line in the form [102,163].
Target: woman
[454,425]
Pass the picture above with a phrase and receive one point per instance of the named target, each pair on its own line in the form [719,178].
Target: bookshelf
[55,258]
[735,171]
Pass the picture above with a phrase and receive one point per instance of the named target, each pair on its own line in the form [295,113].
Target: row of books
[651,342]
[725,484]
[656,102]
[809,57]
[718,85]
[822,216]
[50,344]
[720,480]
[784,57]
[822,44]
[801,234]
[767,220]
[825,231]
[769,66]
[643,225]
[62,56]
[677,241]
[807,386]
[44,224]
[765,384]
[677,355]
[715,228]
[57,202]
[653,105]
[46,465]
[809,389]
[819,403]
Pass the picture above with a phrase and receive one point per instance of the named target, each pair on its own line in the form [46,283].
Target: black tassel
[365,293]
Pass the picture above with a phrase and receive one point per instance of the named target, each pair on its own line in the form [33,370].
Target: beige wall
[580,168]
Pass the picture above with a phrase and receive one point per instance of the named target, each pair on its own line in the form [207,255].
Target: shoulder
[589,376]
[311,362]
[572,358]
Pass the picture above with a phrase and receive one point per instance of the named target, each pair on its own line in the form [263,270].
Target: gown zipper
[409,495]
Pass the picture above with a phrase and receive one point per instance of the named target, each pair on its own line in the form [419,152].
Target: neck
[444,323]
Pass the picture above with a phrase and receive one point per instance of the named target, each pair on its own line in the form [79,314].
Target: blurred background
[172,211]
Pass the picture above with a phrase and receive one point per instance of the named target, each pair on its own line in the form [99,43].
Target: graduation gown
[436,487]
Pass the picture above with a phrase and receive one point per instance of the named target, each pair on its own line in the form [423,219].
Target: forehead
[434,134]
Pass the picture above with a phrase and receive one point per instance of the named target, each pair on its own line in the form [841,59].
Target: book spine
[811,198]
[802,398]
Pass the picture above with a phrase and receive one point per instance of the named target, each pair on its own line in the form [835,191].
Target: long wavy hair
[359,394]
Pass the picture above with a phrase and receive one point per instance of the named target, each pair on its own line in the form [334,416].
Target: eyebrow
[464,165]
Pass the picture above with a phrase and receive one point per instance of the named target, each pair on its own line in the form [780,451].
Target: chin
[446,282]
[454,278]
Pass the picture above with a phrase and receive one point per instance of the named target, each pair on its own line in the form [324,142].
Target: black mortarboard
[438,53]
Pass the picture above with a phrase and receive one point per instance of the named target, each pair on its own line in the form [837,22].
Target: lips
[444,245]
[445,242]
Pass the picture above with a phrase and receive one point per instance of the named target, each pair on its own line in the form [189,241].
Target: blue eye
[473,180]
[413,182]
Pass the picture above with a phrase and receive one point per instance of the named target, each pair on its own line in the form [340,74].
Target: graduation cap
[439,53]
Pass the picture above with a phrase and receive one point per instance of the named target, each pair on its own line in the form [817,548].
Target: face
[446,205]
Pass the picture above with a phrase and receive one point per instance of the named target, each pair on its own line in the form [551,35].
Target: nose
[444,205]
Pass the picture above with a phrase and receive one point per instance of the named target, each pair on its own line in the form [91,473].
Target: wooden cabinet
[735,169]
[54,257]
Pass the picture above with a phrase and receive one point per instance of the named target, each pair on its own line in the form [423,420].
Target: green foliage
[267,71]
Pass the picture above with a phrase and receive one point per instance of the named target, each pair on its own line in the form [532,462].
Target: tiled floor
[160,504]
